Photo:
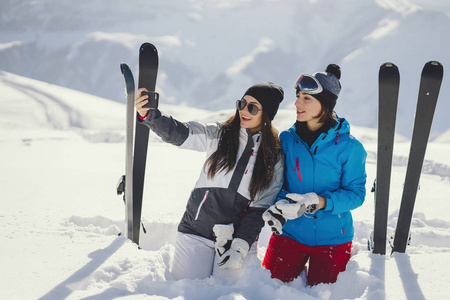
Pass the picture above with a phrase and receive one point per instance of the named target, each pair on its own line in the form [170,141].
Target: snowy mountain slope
[60,214]
[444,138]
[31,104]
[204,62]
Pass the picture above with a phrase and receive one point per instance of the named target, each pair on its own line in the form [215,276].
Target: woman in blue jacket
[324,180]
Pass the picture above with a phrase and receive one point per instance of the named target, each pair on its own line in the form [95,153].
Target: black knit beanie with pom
[269,95]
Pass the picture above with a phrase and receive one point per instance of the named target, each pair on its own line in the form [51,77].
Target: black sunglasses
[252,108]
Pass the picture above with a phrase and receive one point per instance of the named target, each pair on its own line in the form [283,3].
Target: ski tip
[435,67]
[147,46]
[388,65]
[123,67]
[434,63]
[389,70]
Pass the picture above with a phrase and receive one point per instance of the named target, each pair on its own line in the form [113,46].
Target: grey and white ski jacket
[225,198]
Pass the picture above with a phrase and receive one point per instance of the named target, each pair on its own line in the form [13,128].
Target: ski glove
[290,209]
[224,237]
[233,259]
[308,203]
[273,217]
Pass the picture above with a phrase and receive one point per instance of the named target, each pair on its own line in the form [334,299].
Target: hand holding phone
[153,99]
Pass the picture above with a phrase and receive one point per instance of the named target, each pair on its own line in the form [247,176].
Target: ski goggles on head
[308,84]
[252,108]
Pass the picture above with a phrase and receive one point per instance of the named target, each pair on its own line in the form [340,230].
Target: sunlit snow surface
[62,153]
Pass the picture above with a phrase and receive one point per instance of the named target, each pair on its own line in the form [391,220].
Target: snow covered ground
[61,154]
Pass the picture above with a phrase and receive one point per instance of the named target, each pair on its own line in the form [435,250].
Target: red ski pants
[286,259]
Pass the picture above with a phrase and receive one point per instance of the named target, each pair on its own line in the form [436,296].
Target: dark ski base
[430,84]
[127,179]
[388,89]
[132,183]
[148,70]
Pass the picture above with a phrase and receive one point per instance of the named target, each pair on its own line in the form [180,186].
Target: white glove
[274,219]
[290,210]
[308,202]
[224,236]
[234,258]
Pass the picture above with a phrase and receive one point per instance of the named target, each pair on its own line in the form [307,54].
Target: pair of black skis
[132,183]
[389,84]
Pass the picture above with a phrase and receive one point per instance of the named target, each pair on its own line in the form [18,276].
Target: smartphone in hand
[153,99]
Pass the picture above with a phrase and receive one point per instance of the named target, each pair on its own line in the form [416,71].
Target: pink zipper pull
[297,168]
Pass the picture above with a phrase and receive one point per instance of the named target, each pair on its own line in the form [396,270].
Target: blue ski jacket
[333,167]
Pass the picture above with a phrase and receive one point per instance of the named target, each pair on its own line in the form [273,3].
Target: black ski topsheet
[388,89]
[148,70]
[430,84]
[130,119]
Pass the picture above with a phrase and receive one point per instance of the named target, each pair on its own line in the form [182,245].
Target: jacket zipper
[297,168]
[336,139]
[243,212]
[201,204]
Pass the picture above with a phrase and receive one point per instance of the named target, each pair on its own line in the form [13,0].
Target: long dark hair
[224,158]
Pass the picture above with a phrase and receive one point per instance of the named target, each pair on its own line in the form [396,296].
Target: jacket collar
[245,134]
[341,127]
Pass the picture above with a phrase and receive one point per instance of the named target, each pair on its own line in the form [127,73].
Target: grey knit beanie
[330,84]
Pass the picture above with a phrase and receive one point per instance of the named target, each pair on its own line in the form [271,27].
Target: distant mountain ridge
[210,52]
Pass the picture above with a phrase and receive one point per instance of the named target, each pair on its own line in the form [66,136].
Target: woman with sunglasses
[324,180]
[240,179]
